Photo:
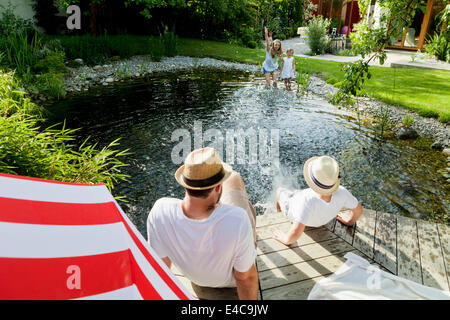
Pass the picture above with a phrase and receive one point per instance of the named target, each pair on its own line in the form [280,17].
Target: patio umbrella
[69,241]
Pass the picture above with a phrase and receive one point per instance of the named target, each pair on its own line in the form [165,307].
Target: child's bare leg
[288,80]
[276,200]
[267,76]
[274,78]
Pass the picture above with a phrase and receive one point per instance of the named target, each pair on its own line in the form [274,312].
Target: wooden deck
[410,248]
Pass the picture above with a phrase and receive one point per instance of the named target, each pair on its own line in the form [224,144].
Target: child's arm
[266,33]
[282,64]
[350,221]
[293,234]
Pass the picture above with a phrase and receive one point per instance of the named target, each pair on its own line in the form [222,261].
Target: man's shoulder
[342,191]
[230,212]
[306,195]
[164,205]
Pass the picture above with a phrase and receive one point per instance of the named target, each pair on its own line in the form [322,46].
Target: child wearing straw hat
[318,204]
[210,242]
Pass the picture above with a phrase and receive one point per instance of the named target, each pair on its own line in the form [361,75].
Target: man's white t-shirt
[306,206]
[205,251]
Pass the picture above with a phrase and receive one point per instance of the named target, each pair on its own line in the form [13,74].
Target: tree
[371,41]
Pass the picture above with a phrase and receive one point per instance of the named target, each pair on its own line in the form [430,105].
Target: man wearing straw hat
[320,203]
[210,242]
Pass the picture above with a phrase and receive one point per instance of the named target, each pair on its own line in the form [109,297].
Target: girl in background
[270,65]
[288,68]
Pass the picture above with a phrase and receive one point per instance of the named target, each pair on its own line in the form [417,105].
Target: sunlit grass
[425,91]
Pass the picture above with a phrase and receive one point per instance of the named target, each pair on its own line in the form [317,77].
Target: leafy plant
[25,149]
[438,45]
[355,75]
[21,52]
[12,23]
[382,120]
[407,120]
[303,80]
[52,63]
[51,84]
[317,32]
[371,40]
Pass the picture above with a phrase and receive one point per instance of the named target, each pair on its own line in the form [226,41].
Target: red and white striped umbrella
[70,241]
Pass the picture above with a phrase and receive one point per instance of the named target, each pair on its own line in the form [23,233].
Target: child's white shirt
[288,68]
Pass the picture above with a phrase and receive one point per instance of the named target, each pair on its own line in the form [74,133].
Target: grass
[422,90]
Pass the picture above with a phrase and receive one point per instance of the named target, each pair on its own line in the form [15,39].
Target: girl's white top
[288,69]
[270,64]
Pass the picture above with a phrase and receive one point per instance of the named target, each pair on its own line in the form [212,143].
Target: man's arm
[356,213]
[293,234]
[167,262]
[247,283]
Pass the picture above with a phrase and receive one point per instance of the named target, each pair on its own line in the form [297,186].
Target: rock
[109,80]
[79,61]
[446,152]
[437,145]
[407,133]
[97,67]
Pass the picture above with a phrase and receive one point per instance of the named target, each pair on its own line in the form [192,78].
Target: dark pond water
[391,176]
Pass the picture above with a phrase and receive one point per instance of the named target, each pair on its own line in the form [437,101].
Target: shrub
[317,32]
[252,44]
[13,98]
[407,121]
[249,37]
[21,52]
[438,46]
[170,43]
[11,23]
[332,80]
[53,63]
[51,84]
[27,150]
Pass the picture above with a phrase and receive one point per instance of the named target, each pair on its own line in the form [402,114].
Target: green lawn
[425,91]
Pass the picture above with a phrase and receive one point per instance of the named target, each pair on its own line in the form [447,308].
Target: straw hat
[322,174]
[202,169]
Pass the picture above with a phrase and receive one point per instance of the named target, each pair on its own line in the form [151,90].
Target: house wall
[22,8]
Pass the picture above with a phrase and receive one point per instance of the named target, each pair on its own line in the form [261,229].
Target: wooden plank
[301,271]
[303,253]
[295,291]
[271,245]
[270,218]
[330,225]
[444,236]
[433,267]
[343,231]
[385,249]
[266,232]
[408,253]
[365,232]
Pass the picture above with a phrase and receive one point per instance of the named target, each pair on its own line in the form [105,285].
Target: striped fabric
[73,241]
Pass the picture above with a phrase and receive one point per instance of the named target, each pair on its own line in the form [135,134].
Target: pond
[146,114]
